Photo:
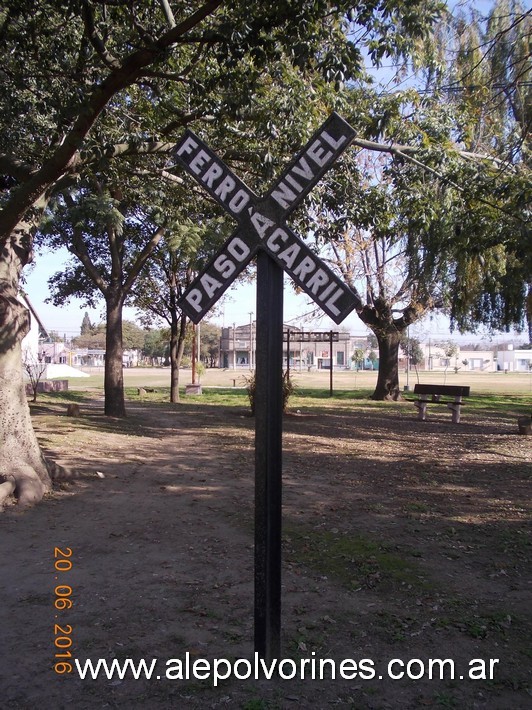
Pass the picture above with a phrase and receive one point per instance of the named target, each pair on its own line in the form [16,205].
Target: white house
[479,360]
[436,358]
[511,360]
[31,342]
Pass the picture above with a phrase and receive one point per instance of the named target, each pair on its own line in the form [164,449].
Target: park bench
[432,394]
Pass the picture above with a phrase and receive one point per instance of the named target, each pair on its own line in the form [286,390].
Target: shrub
[288,389]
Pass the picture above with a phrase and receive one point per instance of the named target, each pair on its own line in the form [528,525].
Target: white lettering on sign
[261,223]
[316,281]
[330,140]
[195,297]
[238,249]
[188,146]
[225,265]
[294,183]
[317,155]
[272,241]
[305,266]
[225,188]
[199,161]
[210,284]
[303,169]
[212,174]
[289,255]
[239,201]
[330,303]
[327,291]
[283,195]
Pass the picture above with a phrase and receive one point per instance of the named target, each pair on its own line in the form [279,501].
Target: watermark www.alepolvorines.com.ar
[313,668]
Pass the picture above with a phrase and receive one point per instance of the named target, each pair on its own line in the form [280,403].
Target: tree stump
[525,425]
[73,410]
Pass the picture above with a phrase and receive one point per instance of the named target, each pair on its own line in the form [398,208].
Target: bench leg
[422,410]
[455,408]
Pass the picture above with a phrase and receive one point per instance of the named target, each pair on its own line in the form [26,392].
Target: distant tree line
[153,343]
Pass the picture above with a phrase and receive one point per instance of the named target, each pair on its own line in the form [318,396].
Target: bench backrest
[450,390]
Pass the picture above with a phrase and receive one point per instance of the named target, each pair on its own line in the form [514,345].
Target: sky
[236,307]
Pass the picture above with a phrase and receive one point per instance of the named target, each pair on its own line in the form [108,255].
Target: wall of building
[511,360]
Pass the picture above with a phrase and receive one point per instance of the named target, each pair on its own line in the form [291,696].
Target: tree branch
[142,258]
[66,156]
[168,13]
[96,41]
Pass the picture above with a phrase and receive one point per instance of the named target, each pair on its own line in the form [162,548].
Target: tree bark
[21,459]
[114,375]
[177,345]
[388,378]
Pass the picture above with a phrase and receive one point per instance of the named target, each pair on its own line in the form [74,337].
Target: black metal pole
[268,456]
[331,372]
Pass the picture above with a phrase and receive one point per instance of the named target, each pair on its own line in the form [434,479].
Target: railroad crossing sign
[262,232]
[262,222]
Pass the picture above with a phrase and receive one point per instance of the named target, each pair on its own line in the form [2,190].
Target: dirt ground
[402,540]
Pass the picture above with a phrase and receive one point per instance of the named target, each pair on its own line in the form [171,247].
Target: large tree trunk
[177,345]
[388,377]
[23,469]
[114,375]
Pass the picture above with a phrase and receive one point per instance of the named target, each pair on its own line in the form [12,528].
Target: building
[300,350]
[478,360]
[31,343]
[436,357]
[510,360]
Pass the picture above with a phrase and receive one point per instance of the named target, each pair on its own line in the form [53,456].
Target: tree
[94,339]
[412,348]
[86,325]
[450,350]
[156,345]
[111,239]
[358,358]
[210,343]
[34,368]
[442,221]
[73,76]
[168,274]
[364,219]
[373,358]
[486,87]
[133,337]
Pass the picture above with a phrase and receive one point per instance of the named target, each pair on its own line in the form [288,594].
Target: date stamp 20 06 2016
[62,602]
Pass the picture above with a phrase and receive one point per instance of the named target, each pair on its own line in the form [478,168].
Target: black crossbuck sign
[261,222]
[262,231]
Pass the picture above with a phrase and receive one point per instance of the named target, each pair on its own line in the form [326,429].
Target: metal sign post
[262,232]
[331,361]
[268,457]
